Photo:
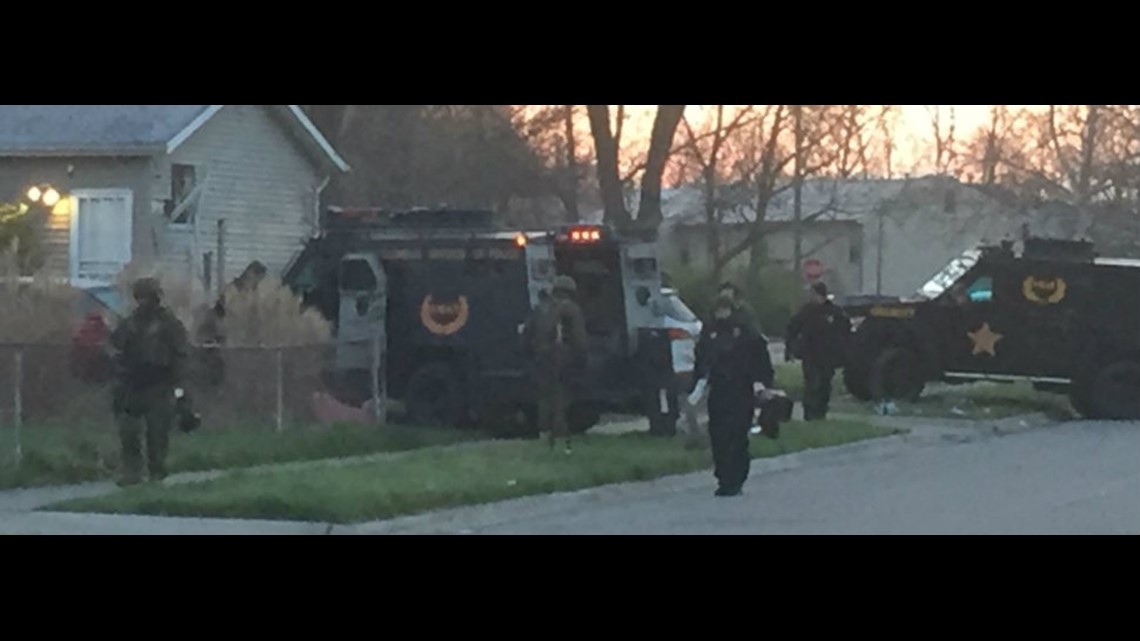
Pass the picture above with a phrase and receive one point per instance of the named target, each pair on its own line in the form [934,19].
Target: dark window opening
[855,253]
[183,180]
[597,274]
[357,276]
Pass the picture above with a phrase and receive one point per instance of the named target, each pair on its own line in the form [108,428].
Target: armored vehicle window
[356,276]
[644,267]
[981,290]
[941,281]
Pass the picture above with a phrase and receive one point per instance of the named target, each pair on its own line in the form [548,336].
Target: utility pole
[879,261]
[797,186]
[880,211]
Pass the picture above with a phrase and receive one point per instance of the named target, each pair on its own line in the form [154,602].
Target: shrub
[774,294]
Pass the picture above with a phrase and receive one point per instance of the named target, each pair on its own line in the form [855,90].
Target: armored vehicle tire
[855,380]
[1079,399]
[436,396]
[581,417]
[894,375]
[524,422]
[1115,391]
[509,421]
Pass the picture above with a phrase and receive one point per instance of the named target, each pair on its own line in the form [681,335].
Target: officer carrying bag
[775,408]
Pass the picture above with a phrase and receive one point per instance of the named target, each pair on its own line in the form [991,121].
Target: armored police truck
[1049,311]
[446,294]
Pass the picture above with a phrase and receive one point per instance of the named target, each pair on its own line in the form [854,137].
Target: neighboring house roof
[827,199]
[129,130]
[832,200]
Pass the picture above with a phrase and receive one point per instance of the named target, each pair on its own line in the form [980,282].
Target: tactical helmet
[565,284]
[147,288]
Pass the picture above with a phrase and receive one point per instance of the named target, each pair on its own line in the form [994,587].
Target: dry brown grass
[271,315]
[33,310]
[268,316]
[236,385]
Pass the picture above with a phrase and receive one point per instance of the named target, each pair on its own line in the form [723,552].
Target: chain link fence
[60,394]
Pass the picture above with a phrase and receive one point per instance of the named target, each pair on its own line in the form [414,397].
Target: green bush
[774,294]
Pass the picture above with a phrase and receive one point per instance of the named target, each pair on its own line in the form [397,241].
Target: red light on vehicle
[678,334]
[583,235]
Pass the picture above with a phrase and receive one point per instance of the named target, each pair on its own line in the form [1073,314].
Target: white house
[180,187]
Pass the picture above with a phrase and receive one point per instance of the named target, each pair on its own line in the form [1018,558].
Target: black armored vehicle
[445,294]
[1050,312]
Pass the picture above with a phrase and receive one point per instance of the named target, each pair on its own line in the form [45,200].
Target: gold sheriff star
[985,340]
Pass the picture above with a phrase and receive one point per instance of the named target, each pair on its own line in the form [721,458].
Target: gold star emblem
[985,340]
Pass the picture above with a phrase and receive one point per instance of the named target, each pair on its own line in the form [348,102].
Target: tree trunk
[660,143]
[712,224]
[571,190]
[608,180]
[1088,146]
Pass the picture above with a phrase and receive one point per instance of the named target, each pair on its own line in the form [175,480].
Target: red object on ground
[329,410]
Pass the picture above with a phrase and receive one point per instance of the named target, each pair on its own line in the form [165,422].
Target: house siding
[259,181]
[17,174]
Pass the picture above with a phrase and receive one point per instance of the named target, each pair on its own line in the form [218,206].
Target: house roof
[128,130]
[822,199]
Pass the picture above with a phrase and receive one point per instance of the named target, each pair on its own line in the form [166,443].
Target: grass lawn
[60,455]
[981,400]
[437,478]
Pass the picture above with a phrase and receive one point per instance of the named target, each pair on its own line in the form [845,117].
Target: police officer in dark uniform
[818,335]
[151,349]
[556,339]
[732,359]
[742,311]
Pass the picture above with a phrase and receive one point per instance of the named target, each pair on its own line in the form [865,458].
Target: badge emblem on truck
[1044,291]
[985,340]
[446,318]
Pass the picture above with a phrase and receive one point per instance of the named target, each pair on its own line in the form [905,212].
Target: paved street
[1076,478]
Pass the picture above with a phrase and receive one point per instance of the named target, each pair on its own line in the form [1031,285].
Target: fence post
[280,392]
[18,403]
[378,412]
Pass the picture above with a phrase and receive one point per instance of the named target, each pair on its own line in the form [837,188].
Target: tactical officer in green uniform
[150,354]
[556,340]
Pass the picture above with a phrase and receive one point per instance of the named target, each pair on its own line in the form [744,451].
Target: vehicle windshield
[941,281]
[676,309]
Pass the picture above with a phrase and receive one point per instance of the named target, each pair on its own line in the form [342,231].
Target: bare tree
[1073,152]
[660,145]
[551,132]
[943,129]
[570,189]
[991,147]
[705,149]
[606,155]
